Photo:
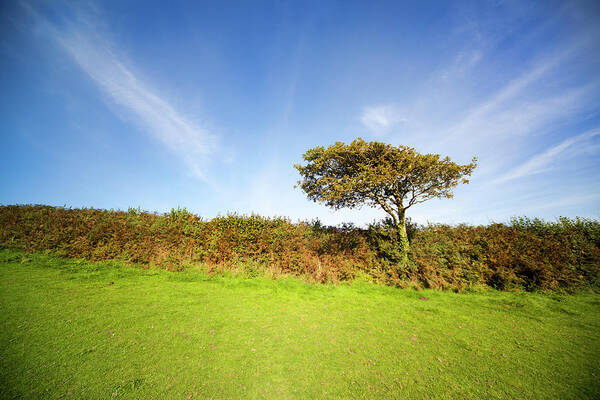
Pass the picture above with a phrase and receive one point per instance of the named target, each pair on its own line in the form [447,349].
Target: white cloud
[543,161]
[502,101]
[449,116]
[514,108]
[528,102]
[463,62]
[506,127]
[380,119]
[100,61]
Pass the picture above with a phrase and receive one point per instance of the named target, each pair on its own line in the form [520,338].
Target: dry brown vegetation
[525,254]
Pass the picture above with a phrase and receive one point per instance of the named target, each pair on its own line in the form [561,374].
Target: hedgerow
[525,254]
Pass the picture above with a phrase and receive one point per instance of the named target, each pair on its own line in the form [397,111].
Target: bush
[526,254]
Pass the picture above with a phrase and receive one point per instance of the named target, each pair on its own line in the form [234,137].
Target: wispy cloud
[101,61]
[463,62]
[457,117]
[508,110]
[503,101]
[381,118]
[528,115]
[543,161]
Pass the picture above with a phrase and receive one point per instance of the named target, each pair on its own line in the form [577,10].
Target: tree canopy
[376,174]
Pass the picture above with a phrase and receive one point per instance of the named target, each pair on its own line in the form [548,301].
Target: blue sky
[208,105]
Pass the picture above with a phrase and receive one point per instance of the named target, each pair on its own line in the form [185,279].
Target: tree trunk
[403,238]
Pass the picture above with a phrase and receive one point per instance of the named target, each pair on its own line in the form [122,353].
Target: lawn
[71,329]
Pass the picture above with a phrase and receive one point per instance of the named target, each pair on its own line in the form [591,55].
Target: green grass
[70,329]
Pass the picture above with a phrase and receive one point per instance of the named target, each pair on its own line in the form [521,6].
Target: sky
[208,105]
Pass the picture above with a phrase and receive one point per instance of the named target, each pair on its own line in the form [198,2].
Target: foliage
[526,254]
[179,237]
[73,329]
[379,175]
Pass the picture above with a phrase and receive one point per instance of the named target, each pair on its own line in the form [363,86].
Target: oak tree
[393,178]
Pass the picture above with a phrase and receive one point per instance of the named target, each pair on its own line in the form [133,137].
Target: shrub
[525,254]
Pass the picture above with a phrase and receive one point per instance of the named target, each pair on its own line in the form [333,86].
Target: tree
[393,178]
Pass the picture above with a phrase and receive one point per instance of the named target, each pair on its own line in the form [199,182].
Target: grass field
[70,329]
